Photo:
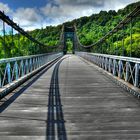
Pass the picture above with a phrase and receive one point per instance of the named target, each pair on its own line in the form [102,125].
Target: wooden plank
[93,107]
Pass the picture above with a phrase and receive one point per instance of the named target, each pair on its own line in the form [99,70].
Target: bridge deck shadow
[55,122]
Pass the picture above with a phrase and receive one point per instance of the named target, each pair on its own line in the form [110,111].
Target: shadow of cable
[55,129]
[27,85]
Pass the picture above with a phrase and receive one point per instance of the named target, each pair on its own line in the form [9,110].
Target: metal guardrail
[125,68]
[14,70]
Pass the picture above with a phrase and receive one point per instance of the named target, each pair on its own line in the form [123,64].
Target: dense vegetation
[90,30]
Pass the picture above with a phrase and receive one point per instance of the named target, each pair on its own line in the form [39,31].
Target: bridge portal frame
[69,33]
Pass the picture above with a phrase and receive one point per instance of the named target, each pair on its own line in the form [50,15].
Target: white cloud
[5,8]
[93,3]
[58,11]
[64,12]
[71,8]
[27,17]
[116,4]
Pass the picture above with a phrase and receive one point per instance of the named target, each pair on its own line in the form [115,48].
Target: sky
[32,14]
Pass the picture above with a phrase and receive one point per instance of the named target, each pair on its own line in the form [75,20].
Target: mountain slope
[90,30]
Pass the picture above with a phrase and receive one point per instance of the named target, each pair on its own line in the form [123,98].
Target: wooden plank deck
[72,100]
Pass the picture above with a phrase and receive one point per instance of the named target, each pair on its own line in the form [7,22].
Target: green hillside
[90,30]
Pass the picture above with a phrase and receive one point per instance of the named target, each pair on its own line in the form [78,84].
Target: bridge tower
[69,33]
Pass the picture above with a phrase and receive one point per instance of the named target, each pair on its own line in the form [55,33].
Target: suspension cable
[126,20]
[17,28]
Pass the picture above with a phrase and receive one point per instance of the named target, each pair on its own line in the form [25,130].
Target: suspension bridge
[63,96]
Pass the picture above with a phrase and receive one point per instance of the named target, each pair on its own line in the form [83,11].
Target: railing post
[8,69]
[94,58]
[103,62]
[31,65]
[106,63]
[43,61]
[26,66]
[136,84]
[127,72]
[22,68]
[114,67]
[110,61]
[99,61]
[38,62]
[16,70]
[34,63]
[120,69]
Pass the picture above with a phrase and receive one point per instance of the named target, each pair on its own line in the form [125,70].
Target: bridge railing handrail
[14,71]
[5,60]
[124,68]
[124,58]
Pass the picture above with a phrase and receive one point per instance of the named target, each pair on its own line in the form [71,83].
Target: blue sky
[32,14]
[14,4]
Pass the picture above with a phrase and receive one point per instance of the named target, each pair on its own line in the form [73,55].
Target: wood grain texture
[93,107]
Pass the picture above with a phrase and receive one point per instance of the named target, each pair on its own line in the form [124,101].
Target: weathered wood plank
[93,107]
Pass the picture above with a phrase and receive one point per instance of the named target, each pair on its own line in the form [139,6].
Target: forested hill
[92,28]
